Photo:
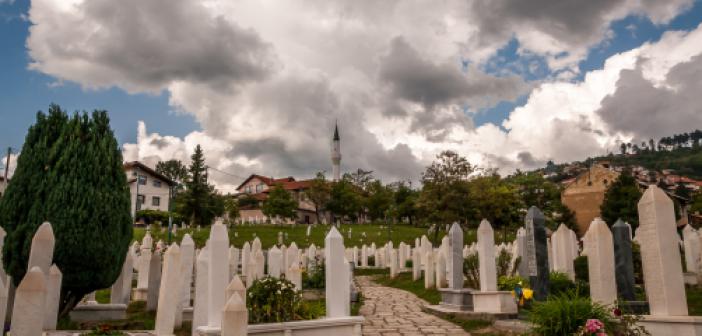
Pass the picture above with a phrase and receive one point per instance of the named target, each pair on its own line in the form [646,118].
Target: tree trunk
[69,301]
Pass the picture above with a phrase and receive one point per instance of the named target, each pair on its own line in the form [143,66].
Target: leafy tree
[199,202]
[319,194]
[345,200]
[360,178]
[70,174]
[174,170]
[621,201]
[495,200]
[379,201]
[280,203]
[696,204]
[231,207]
[247,201]
[446,190]
[405,201]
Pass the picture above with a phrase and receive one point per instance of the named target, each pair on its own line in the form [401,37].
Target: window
[157,183]
[142,179]
[156,201]
[260,187]
[140,200]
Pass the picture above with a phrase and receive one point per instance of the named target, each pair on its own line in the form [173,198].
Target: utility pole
[7,165]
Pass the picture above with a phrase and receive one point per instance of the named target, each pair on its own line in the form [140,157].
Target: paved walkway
[394,312]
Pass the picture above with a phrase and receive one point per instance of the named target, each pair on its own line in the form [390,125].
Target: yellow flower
[528,293]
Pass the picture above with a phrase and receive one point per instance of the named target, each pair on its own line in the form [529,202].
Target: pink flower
[594,325]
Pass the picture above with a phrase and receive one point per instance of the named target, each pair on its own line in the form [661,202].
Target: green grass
[404,281]
[103,295]
[370,271]
[268,234]
[694,300]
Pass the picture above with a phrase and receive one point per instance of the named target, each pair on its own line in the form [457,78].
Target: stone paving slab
[395,312]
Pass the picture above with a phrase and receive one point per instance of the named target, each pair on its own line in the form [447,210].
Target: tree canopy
[200,203]
[70,173]
[621,201]
[280,203]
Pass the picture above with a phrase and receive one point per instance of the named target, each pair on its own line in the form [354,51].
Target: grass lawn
[268,234]
[404,281]
[694,300]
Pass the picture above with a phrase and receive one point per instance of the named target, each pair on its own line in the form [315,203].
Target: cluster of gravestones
[36,299]
[167,275]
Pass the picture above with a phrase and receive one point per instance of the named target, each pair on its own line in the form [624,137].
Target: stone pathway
[395,312]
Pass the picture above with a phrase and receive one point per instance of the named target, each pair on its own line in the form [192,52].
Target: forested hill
[680,152]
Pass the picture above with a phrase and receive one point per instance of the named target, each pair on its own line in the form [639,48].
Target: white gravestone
[429,270]
[42,250]
[30,300]
[235,317]
[53,294]
[657,235]
[218,275]
[486,256]
[170,290]
[337,275]
[600,260]
[187,259]
[200,305]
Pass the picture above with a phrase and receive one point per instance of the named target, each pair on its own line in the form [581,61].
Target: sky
[259,84]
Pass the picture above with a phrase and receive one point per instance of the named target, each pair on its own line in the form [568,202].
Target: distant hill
[681,153]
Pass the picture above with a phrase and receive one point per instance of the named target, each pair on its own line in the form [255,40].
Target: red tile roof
[288,183]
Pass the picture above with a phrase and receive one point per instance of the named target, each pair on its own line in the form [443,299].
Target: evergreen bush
[69,173]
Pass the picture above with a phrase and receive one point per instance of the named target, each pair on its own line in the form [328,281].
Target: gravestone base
[457,299]
[140,294]
[672,325]
[691,278]
[497,302]
[634,307]
[447,312]
[188,314]
[99,312]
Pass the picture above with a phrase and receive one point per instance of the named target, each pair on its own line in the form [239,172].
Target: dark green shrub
[581,270]
[408,264]
[70,174]
[273,300]
[508,283]
[158,216]
[566,313]
[559,283]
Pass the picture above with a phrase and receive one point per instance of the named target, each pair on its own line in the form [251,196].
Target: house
[585,195]
[256,187]
[149,190]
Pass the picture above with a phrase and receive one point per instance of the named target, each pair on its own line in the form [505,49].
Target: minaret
[336,155]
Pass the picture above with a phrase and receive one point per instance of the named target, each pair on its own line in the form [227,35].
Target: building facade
[256,188]
[149,190]
[585,194]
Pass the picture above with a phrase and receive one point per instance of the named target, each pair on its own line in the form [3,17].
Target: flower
[617,312]
[528,293]
[594,325]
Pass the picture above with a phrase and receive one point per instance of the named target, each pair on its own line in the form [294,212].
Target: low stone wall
[338,326]
[98,312]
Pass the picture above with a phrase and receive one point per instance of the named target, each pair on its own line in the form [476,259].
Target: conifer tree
[199,202]
[621,201]
[70,173]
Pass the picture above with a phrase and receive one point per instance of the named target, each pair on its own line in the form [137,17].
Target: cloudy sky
[260,83]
